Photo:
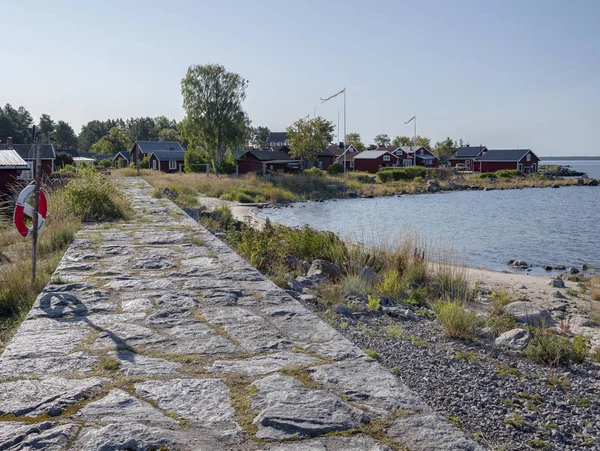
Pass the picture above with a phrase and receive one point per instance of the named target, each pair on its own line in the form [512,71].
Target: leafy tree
[15,123]
[212,99]
[169,134]
[116,141]
[162,123]
[145,163]
[259,137]
[335,169]
[47,125]
[195,158]
[354,140]
[382,140]
[64,136]
[308,137]
[91,132]
[422,141]
[444,149]
[401,141]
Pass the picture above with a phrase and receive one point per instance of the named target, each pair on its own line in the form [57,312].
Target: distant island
[570,158]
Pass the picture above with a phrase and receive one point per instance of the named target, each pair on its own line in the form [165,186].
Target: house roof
[427,157]
[169,155]
[349,157]
[26,151]
[124,155]
[10,159]
[325,153]
[275,137]
[153,146]
[504,154]
[72,152]
[409,149]
[267,155]
[372,154]
[337,150]
[468,152]
[278,148]
[390,149]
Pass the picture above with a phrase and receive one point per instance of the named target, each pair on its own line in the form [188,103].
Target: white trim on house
[172,165]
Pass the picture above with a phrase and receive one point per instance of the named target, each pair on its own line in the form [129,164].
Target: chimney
[161,139]
[9,142]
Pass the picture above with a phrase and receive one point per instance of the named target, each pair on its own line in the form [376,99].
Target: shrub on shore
[457,321]
[94,197]
[549,348]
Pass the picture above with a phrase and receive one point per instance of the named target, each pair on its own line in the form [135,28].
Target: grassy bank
[85,196]
[283,188]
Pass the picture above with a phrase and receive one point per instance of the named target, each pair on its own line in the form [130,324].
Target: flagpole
[344,130]
[415,144]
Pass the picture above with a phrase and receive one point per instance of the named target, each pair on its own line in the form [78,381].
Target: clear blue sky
[500,73]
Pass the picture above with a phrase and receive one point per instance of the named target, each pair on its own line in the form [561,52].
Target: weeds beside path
[84,196]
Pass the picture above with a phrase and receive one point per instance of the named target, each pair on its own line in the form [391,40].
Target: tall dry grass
[594,284]
[16,292]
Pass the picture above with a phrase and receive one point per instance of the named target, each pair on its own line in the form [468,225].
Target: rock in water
[516,339]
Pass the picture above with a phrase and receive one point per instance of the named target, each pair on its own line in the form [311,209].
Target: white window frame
[172,165]
[528,157]
[386,158]
[154,164]
[352,164]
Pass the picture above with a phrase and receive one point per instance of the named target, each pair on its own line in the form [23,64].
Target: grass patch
[515,421]
[558,383]
[394,331]
[540,444]
[419,342]
[354,284]
[372,353]
[549,348]
[457,321]
[582,402]
[373,303]
[469,356]
[503,370]
[501,324]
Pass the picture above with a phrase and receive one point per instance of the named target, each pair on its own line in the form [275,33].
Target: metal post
[36,203]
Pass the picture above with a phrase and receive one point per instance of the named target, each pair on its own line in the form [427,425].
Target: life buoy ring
[23,209]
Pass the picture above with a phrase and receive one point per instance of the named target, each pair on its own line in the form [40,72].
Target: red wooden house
[496,159]
[348,157]
[416,156]
[167,160]
[121,159]
[373,160]
[11,165]
[26,152]
[467,155]
[261,161]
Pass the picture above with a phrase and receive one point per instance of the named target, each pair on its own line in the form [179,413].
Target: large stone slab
[45,436]
[367,383]
[53,305]
[354,443]
[252,332]
[119,406]
[132,364]
[254,366]
[202,402]
[291,413]
[50,396]
[430,433]
[77,363]
[129,436]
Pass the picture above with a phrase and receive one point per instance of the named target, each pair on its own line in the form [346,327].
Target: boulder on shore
[573,271]
[519,264]
[593,182]
[324,268]
[516,339]
[556,282]
[527,313]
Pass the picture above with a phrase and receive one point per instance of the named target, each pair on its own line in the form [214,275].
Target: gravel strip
[503,411]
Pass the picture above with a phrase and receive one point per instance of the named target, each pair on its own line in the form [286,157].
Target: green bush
[418,179]
[390,284]
[106,163]
[315,171]
[457,321]
[94,197]
[547,347]
[354,284]
[394,174]
[335,169]
[488,175]
[509,173]
[145,163]
[580,348]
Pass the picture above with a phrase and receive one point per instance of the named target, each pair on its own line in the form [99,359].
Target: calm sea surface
[541,226]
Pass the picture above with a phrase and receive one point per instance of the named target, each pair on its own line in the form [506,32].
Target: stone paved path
[155,335]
